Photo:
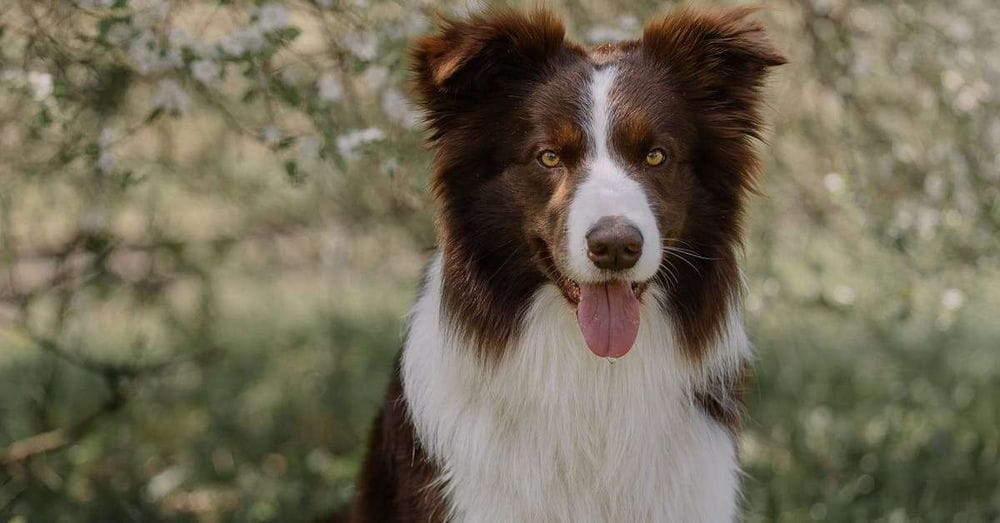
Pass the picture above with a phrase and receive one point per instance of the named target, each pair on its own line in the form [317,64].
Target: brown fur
[500,88]
[397,481]
[718,60]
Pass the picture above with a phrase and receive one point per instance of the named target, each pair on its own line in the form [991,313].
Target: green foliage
[213,217]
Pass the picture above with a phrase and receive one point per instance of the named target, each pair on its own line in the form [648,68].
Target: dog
[576,352]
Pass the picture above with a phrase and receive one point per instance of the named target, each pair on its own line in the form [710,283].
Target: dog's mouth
[607,311]
[571,289]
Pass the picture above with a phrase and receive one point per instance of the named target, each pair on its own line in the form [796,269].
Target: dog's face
[602,171]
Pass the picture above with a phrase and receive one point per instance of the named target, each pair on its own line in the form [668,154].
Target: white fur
[553,433]
[608,190]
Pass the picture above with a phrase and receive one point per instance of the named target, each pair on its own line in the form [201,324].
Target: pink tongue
[608,314]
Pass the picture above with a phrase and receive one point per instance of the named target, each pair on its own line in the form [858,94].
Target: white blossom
[106,138]
[165,482]
[843,295]
[205,71]
[170,96]
[231,45]
[290,76]
[347,143]
[242,40]
[40,84]
[144,52]
[250,38]
[148,57]
[390,166]
[952,299]
[329,87]
[834,183]
[959,29]
[106,162]
[416,24]
[626,28]
[362,45]
[179,39]
[308,147]
[149,12]
[397,107]
[118,33]
[271,135]
[105,159]
[629,22]
[374,77]
[952,79]
[927,222]
[934,186]
[94,219]
[272,17]
[972,95]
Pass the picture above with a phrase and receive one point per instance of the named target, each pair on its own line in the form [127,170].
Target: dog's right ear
[467,60]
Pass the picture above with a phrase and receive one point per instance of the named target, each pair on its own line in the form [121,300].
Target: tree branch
[116,376]
[19,451]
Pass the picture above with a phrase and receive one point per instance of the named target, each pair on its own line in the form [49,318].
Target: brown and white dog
[587,198]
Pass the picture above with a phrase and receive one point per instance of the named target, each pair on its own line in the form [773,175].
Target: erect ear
[721,58]
[478,56]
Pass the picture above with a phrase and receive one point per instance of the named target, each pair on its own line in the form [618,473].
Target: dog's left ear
[720,58]
[468,54]
[485,55]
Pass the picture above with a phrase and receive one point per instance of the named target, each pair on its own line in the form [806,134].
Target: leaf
[106,23]
[286,92]
[129,179]
[154,114]
[44,118]
[295,176]
[288,34]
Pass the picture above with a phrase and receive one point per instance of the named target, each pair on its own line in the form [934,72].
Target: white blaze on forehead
[599,125]
[608,190]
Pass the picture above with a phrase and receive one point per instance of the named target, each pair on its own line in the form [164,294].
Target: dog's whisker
[683,259]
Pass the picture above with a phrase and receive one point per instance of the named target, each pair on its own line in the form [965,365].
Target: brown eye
[549,159]
[655,157]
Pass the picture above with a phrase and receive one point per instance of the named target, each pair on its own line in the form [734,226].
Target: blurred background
[213,216]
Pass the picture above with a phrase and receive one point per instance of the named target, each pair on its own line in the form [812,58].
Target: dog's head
[600,170]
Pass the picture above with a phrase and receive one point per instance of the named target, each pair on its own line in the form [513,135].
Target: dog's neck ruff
[553,433]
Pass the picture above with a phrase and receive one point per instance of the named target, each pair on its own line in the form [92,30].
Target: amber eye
[655,157]
[549,159]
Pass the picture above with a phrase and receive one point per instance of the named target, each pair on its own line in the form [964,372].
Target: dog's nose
[614,243]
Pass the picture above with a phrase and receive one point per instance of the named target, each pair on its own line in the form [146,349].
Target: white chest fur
[556,434]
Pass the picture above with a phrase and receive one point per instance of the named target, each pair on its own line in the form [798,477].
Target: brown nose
[614,243]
